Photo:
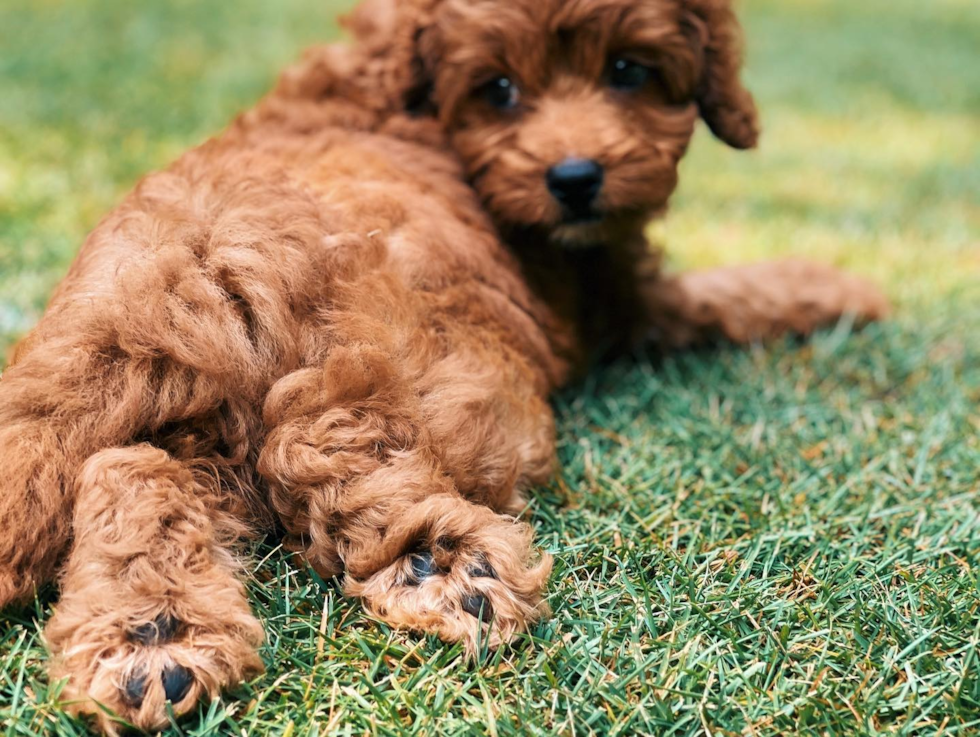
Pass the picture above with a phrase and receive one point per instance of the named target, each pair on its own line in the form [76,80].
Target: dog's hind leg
[65,399]
[152,610]
[46,430]
[33,524]
[756,302]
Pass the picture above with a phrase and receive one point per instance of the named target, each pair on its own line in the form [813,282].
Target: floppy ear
[371,19]
[381,70]
[392,36]
[726,106]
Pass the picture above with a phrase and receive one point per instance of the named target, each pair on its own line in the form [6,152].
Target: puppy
[343,318]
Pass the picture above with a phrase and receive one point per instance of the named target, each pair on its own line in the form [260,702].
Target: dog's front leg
[357,483]
[152,610]
[743,304]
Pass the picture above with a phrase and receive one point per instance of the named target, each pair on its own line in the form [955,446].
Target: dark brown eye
[502,93]
[628,76]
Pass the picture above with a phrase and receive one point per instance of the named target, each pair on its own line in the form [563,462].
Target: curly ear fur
[381,71]
[390,35]
[726,106]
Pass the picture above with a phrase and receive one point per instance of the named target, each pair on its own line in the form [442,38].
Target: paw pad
[477,605]
[134,689]
[177,682]
[162,629]
[423,566]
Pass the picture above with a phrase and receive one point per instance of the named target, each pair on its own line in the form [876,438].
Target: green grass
[765,542]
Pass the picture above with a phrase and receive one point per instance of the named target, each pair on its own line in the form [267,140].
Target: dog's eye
[628,75]
[501,93]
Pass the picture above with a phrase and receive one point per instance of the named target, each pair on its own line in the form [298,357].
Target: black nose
[576,183]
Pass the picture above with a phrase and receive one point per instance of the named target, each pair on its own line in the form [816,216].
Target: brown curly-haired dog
[313,321]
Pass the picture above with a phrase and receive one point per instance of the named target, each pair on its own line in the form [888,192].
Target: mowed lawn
[776,541]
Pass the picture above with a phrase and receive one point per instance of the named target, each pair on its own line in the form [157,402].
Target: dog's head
[569,115]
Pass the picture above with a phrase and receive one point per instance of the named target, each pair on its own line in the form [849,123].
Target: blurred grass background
[762,542]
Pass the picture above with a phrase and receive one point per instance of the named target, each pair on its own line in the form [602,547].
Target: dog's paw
[135,672]
[866,301]
[815,295]
[477,582]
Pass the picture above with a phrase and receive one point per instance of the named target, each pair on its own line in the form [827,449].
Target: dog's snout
[576,183]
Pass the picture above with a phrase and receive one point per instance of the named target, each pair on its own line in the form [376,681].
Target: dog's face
[571,116]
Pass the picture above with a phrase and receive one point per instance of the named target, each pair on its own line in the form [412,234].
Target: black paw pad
[162,629]
[481,569]
[423,566]
[477,605]
[177,682]
[134,689]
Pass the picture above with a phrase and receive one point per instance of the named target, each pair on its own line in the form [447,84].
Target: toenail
[177,682]
[161,629]
[134,689]
[477,606]
[423,566]
[481,569]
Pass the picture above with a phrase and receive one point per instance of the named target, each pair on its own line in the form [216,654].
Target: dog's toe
[477,605]
[423,566]
[134,689]
[177,682]
[161,630]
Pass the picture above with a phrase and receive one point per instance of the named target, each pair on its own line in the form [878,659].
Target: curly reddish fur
[344,316]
